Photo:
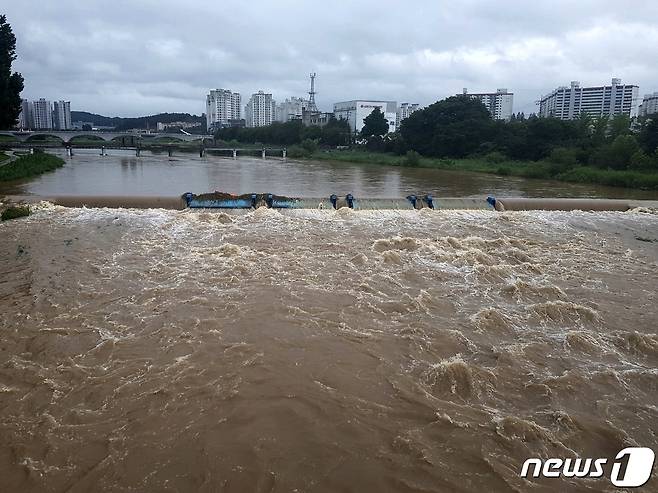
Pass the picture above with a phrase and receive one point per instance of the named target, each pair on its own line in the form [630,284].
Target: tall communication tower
[311,95]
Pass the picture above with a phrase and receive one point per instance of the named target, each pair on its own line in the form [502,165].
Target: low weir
[221,200]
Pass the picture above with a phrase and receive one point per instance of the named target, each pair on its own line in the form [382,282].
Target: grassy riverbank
[526,169]
[30,165]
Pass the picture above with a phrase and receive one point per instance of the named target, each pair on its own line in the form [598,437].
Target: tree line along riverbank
[498,166]
[459,133]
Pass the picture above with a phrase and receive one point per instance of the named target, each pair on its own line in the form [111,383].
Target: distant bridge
[66,135]
[72,149]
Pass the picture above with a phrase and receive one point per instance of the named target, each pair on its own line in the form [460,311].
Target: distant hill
[144,122]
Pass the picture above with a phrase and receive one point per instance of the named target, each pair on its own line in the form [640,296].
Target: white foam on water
[226,336]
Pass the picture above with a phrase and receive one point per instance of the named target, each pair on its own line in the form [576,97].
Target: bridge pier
[170,152]
[263,154]
[69,151]
[235,153]
[137,151]
[202,152]
[103,151]
[285,153]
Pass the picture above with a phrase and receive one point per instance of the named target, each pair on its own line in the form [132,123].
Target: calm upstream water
[121,173]
[323,351]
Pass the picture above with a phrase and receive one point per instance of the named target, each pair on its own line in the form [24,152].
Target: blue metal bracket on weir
[429,200]
[413,199]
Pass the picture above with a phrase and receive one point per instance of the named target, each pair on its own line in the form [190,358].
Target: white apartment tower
[500,103]
[568,103]
[404,111]
[26,116]
[62,115]
[290,109]
[43,114]
[260,110]
[649,105]
[222,106]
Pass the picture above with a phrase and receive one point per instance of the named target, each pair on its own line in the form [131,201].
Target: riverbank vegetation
[458,133]
[30,165]
[525,169]
[14,212]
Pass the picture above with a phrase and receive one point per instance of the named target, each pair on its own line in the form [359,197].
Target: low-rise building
[316,118]
[80,125]
[162,127]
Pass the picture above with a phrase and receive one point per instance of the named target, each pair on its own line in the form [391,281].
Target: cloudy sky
[130,58]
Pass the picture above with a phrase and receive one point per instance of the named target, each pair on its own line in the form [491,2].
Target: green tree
[583,125]
[616,155]
[643,162]
[620,125]
[336,133]
[648,136]
[454,127]
[599,129]
[539,136]
[564,157]
[11,85]
[375,124]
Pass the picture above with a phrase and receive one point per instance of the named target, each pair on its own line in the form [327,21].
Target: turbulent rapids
[323,350]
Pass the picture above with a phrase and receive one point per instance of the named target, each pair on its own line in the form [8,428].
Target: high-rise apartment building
[568,103]
[649,105]
[404,110]
[43,114]
[222,106]
[500,103]
[62,115]
[290,109]
[355,111]
[39,115]
[260,110]
[26,116]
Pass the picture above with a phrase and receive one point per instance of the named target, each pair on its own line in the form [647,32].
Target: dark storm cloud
[132,58]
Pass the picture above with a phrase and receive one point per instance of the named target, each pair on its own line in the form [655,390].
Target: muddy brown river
[317,351]
[121,173]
